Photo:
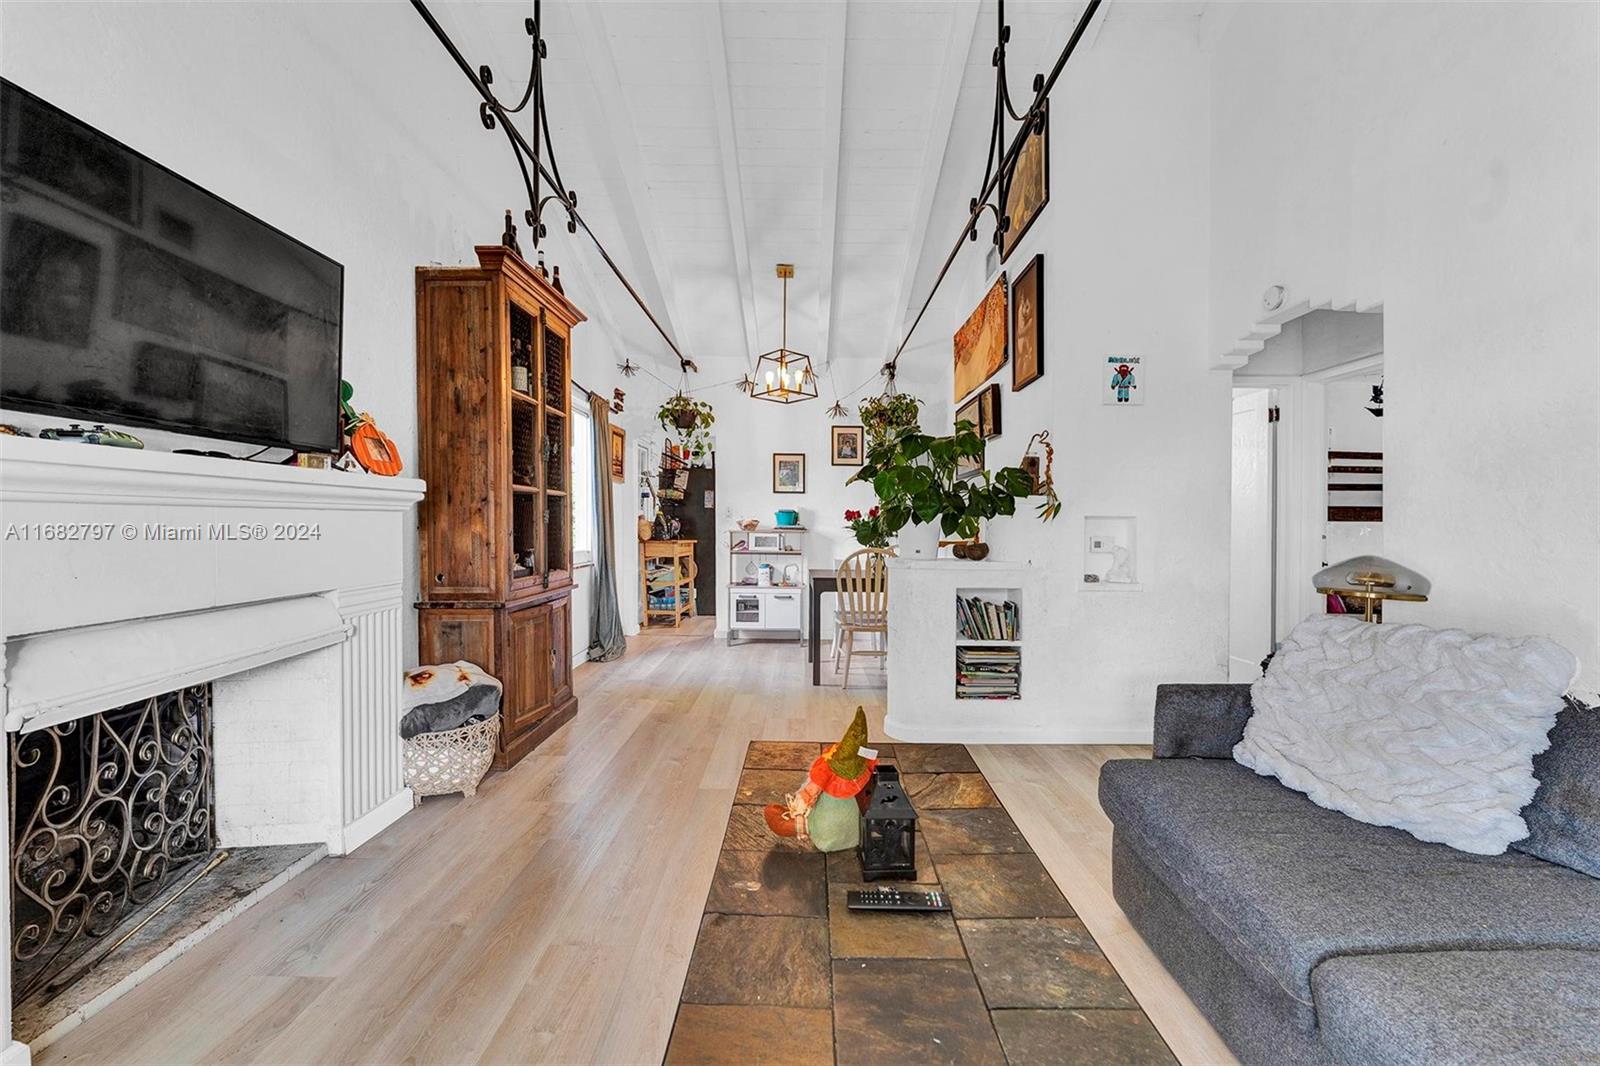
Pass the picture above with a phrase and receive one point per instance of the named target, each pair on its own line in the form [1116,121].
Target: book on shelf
[981,619]
[988,673]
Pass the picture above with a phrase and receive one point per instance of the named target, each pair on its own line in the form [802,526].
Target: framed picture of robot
[1122,380]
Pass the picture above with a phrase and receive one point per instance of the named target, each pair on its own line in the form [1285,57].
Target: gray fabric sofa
[1308,937]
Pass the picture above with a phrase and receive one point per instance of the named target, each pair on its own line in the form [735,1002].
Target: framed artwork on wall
[619,453]
[1122,380]
[980,343]
[788,472]
[848,446]
[971,411]
[989,412]
[1027,325]
[1027,188]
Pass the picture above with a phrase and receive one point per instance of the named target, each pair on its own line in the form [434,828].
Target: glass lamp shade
[1372,579]
[888,831]
[784,376]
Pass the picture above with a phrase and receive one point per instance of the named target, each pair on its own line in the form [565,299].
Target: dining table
[822,581]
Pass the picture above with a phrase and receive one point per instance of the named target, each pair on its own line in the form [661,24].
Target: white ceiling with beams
[709,141]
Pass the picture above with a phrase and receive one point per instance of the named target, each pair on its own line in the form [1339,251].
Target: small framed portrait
[788,472]
[1027,325]
[970,412]
[619,453]
[849,448]
[989,412]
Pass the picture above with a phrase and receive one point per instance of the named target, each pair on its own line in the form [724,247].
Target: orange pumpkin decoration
[373,449]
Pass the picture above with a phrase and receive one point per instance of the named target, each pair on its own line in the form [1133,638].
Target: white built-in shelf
[965,642]
[757,551]
[1110,586]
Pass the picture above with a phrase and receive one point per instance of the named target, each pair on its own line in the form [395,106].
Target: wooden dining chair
[863,604]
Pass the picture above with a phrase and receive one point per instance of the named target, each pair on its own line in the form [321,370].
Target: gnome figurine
[826,811]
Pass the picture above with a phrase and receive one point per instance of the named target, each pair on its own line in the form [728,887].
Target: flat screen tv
[131,295]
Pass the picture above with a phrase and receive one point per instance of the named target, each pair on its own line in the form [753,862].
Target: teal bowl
[787,518]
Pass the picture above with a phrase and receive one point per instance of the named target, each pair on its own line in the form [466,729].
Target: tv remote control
[892,899]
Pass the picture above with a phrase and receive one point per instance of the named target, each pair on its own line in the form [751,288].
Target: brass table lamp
[1372,579]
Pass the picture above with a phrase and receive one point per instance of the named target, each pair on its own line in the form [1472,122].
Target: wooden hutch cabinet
[494,372]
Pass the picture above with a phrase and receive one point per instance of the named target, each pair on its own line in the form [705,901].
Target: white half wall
[1440,158]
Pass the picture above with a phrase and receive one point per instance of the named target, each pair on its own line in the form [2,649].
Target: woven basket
[454,760]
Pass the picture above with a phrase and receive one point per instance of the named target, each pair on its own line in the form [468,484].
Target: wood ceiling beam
[952,72]
[620,167]
[836,18]
[732,180]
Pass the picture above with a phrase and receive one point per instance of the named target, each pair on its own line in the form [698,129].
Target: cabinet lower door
[560,652]
[530,646]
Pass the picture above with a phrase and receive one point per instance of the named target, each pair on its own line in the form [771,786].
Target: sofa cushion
[1564,817]
[1430,730]
[1285,884]
[1456,1007]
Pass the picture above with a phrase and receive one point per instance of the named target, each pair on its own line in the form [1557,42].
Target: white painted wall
[1441,158]
[1125,243]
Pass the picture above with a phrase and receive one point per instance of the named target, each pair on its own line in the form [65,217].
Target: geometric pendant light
[784,375]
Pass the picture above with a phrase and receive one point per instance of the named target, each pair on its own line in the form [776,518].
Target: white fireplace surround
[127,573]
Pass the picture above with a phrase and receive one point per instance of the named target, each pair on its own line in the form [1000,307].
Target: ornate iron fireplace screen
[105,811]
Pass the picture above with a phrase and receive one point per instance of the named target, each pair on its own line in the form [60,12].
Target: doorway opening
[1307,484]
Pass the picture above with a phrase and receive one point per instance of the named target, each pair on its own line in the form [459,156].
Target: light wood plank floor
[551,917]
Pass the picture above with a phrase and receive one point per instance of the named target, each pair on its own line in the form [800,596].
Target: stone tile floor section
[783,973]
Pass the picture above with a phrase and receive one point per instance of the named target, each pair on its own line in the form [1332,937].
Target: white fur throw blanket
[1430,730]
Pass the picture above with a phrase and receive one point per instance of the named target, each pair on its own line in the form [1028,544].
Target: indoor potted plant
[918,479]
[688,420]
[884,415]
[868,527]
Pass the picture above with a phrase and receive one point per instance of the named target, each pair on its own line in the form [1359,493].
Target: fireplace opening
[108,812]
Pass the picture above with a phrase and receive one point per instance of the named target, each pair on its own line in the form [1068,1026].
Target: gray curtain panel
[606,641]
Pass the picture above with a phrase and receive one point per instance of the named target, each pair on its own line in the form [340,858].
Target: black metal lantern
[888,831]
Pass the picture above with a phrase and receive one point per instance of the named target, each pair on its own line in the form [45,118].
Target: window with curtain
[583,460]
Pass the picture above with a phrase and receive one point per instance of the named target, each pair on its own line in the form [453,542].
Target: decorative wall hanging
[1122,380]
[1027,188]
[788,472]
[849,445]
[1027,325]
[980,343]
[989,412]
[784,375]
[619,453]
[540,153]
[1044,477]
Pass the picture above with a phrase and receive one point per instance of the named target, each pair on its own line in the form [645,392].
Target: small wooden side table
[676,572]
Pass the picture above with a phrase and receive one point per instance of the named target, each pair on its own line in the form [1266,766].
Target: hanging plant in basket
[883,416]
[689,422]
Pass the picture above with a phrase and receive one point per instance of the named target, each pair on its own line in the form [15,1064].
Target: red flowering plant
[868,528]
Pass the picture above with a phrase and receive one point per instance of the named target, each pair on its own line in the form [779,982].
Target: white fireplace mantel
[145,571]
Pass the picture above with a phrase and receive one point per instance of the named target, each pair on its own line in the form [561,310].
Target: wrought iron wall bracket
[539,152]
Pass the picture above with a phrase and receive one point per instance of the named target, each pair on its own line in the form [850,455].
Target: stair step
[1355,514]
[1357,487]
[1355,469]
[1355,455]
